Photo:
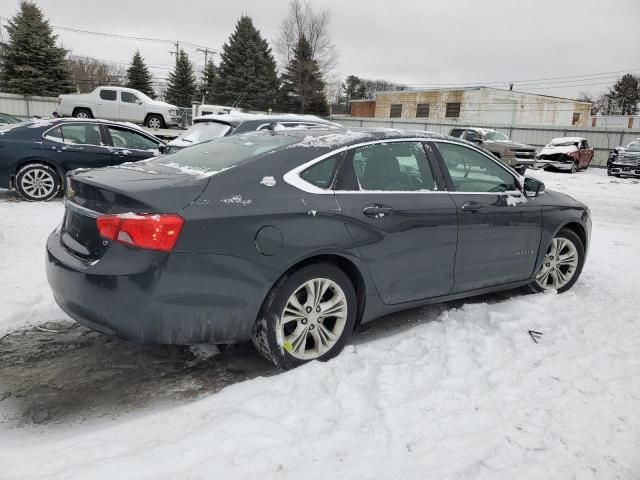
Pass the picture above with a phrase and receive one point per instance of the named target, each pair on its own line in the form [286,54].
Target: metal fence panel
[601,139]
[27,106]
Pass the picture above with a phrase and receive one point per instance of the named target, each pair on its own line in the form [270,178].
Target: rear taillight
[149,231]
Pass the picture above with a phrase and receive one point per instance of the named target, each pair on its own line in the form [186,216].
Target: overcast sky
[419,43]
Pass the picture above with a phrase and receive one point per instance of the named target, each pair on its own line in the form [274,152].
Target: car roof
[51,122]
[333,138]
[567,140]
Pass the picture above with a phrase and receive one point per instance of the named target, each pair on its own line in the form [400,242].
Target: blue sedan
[35,155]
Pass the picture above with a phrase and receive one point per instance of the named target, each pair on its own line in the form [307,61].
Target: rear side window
[108,95]
[321,174]
[395,166]
[76,134]
[456,132]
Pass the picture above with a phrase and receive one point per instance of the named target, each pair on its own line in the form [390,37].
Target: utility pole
[206,52]
[177,52]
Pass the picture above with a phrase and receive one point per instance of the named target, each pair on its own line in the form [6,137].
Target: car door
[499,228]
[402,221]
[77,145]
[108,104]
[586,154]
[130,145]
[131,107]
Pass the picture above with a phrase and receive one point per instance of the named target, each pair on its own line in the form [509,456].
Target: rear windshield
[217,155]
[203,131]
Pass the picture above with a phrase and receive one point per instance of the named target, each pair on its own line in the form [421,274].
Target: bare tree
[88,73]
[302,20]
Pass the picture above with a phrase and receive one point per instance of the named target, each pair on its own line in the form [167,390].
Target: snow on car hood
[158,103]
[553,149]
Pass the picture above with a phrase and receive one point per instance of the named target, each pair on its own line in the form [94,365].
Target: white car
[210,127]
[121,104]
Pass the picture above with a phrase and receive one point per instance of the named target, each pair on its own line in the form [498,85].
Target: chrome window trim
[292,177]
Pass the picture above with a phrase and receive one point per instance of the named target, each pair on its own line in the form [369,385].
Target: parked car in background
[36,155]
[6,119]
[520,156]
[120,104]
[625,161]
[209,127]
[291,238]
[565,153]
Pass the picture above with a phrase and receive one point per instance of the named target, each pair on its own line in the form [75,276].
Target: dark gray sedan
[293,238]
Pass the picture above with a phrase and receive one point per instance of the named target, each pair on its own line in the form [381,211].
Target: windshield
[6,118]
[496,137]
[203,131]
[633,146]
[223,153]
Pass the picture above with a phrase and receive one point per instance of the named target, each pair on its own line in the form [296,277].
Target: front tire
[308,315]
[37,182]
[155,121]
[574,167]
[562,264]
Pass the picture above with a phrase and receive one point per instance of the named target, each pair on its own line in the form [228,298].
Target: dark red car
[566,153]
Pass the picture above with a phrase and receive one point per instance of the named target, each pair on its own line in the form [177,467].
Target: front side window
[111,95]
[395,166]
[321,174]
[128,97]
[471,171]
[496,137]
[124,138]
[76,134]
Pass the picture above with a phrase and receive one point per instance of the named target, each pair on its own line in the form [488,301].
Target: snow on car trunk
[447,391]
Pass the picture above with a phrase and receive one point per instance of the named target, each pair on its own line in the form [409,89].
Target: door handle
[377,211]
[472,207]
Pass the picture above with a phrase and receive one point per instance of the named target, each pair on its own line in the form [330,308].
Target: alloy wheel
[38,183]
[559,266]
[313,319]
[154,123]
[82,114]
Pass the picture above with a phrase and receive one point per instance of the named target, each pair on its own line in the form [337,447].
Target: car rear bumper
[153,297]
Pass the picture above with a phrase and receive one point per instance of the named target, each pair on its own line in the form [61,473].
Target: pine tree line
[31,63]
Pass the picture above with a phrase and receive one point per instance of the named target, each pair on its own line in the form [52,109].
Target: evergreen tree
[247,72]
[181,90]
[30,62]
[625,95]
[208,82]
[139,77]
[302,86]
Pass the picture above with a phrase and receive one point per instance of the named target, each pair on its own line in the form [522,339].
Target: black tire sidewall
[268,324]
[57,182]
[575,239]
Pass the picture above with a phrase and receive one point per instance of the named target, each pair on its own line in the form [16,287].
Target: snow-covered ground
[445,392]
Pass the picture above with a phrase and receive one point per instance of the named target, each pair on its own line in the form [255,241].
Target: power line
[123,37]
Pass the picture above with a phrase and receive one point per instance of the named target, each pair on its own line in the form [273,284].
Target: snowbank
[447,391]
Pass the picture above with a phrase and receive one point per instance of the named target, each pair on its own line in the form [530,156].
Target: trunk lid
[136,187]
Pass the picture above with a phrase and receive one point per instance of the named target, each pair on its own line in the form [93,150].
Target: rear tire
[82,113]
[37,182]
[562,264]
[294,327]
[155,121]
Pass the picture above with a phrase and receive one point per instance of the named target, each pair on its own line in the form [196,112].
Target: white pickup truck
[119,103]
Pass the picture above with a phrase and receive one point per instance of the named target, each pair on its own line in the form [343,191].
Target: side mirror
[476,140]
[163,149]
[139,102]
[532,187]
